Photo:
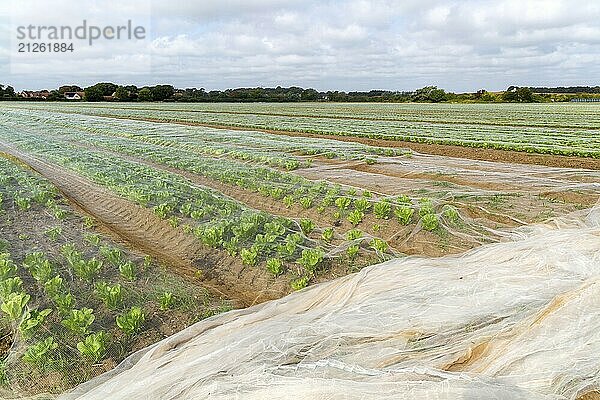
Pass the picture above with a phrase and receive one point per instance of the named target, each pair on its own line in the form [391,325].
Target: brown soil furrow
[141,229]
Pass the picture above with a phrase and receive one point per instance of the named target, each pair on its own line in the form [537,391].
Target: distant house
[42,94]
[74,95]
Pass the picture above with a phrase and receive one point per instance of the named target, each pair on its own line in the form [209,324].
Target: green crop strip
[547,129]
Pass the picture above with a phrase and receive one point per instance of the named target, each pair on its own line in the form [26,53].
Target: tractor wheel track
[142,230]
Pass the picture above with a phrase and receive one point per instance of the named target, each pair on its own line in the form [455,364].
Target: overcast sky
[343,45]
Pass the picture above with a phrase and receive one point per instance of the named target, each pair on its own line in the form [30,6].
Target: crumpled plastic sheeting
[512,320]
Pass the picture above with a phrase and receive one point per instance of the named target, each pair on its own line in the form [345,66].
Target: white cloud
[332,44]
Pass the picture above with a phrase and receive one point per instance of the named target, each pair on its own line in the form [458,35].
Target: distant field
[562,129]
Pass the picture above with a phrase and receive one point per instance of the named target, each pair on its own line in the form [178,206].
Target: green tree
[122,93]
[93,93]
[524,95]
[133,90]
[519,95]
[162,92]
[310,95]
[145,95]
[55,95]
[69,88]
[430,94]
[107,88]
[7,92]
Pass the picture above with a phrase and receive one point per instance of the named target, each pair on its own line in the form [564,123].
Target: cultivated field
[565,129]
[124,223]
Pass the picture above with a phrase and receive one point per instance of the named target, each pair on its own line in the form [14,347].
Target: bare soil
[6,341]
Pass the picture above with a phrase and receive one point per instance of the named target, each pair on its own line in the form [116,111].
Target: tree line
[107,91]
[7,92]
[566,89]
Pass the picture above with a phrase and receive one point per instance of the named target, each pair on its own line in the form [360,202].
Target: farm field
[565,129]
[122,224]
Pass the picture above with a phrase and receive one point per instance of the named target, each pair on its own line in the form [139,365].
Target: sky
[325,44]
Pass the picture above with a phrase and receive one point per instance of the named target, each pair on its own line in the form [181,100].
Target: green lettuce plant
[23,203]
[274,228]
[112,255]
[93,239]
[426,207]
[9,286]
[131,321]
[311,259]
[53,286]
[352,250]
[382,210]
[128,270]
[355,217]
[306,202]
[354,234]
[166,300]
[343,203]
[404,214]
[32,320]
[87,270]
[362,205]
[275,266]
[93,347]
[300,283]
[430,222]
[53,233]
[7,267]
[287,249]
[307,225]
[451,214]
[163,210]
[249,256]
[14,305]
[64,302]
[288,201]
[327,234]
[79,321]
[111,296]
[40,353]
[379,245]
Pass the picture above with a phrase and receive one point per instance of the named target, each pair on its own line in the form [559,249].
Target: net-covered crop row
[274,150]
[539,115]
[213,218]
[285,187]
[564,136]
[217,221]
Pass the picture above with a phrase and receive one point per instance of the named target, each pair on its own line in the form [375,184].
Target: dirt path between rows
[472,153]
[140,228]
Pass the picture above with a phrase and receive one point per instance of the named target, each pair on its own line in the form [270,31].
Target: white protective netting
[512,320]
